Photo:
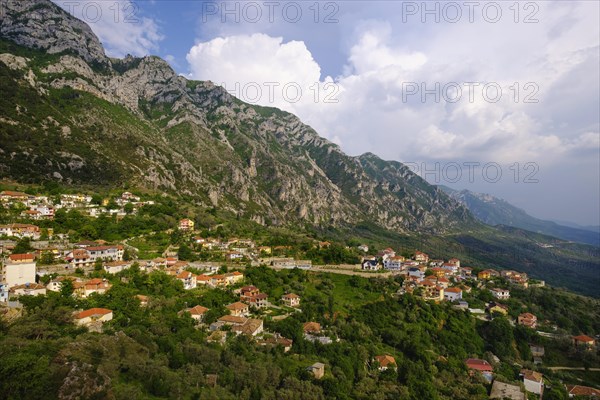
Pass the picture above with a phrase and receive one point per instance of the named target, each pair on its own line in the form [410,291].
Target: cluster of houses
[381,362]
[513,277]
[18,273]
[438,280]
[192,281]
[20,231]
[533,383]
[18,277]
[245,250]
[43,207]
[239,320]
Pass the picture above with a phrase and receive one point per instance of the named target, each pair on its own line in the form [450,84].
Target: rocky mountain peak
[43,25]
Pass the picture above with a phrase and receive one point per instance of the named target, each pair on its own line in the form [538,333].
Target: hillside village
[228,267]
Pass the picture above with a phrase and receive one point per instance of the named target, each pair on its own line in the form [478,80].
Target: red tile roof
[532,375]
[236,306]
[21,257]
[185,275]
[198,310]
[527,316]
[312,327]
[92,312]
[13,194]
[232,319]
[583,338]
[577,390]
[479,365]
[385,360]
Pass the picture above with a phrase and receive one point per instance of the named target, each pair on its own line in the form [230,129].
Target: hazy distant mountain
[495,211]
[592,228]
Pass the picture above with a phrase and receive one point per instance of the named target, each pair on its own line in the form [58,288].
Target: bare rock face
[84,381]
[45,26]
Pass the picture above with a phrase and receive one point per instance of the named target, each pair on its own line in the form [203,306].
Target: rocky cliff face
[44,25]
[135,120]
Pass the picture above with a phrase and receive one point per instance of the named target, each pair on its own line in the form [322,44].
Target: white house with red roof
[260,300]
[386,253]
[476,365]
[186,224]
[291,299]
[421,257]
[114,267]
[453,294]
[19,269]
[584,340]
[188,279]
[87,317]
[234,277]
[533,381]
[29,289]
[385,361]
[197,312]
[583,391]
[527,319]
[451,269]
[238,309]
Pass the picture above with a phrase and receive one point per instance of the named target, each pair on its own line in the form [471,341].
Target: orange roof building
[385,362]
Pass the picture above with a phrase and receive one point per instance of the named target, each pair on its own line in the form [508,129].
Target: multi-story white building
[87,256]
[114,267]
[501,294]
[394,263]
[19,269]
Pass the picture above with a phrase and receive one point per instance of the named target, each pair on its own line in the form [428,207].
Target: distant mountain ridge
[495,211]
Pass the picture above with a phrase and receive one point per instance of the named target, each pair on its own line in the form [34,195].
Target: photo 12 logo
[93,11]
[453,12]
[254,12]
[470,171]
[288,92]
[453,92]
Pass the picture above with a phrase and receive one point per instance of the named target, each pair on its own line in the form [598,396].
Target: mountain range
[495,211]
[135,120]
[71,114]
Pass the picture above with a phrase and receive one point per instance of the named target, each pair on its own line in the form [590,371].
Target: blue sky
[498,97]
